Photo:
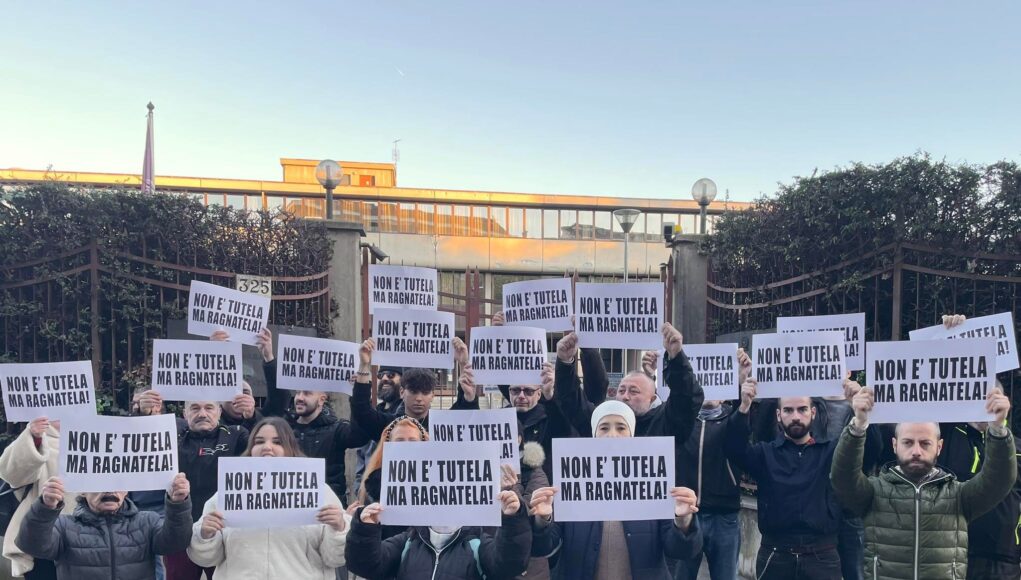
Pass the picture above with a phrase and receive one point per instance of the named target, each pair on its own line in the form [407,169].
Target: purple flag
[148,170]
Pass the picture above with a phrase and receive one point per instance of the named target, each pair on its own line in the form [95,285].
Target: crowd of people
[837,497]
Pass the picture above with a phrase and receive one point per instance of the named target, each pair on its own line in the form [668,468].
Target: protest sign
[54,390]
[407,287]
[931,380]
[211,308]
[545,304]
[413,338]
[316,364]
[997,326]
[500,425]
[851,325]
[196,370]
[502,355]
[806,364]
[270,492]
[103,453]
[716,369]
[430,483]
[619,315]
[613,479]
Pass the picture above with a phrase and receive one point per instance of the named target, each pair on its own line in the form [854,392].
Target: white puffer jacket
[308,552]
[23,464]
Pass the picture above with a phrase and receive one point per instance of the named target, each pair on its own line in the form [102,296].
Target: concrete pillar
[690,276]
[346,290]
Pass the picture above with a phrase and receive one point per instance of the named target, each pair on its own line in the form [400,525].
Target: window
[533,223]
[568,224]
[387,216]
[425,219]
[236,201]
[515,222]
[550,224]
[274,203]
[689,223]
[444,220]
[498,221]
[347,210]
[254,202]
[462,214]
[585,230]
[654,228]
[366,181]
[480,221]
[638,229]
[603,225]
[370,216]
[214,199]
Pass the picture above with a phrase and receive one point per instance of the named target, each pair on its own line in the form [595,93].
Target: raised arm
[567,388]
[736,443]
[999,471]
[41,534]
[686,395]
[596,381]
[850,485]
[173,534]
[276,399]
[363,413]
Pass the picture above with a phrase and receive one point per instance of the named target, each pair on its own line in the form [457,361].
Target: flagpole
[148,165]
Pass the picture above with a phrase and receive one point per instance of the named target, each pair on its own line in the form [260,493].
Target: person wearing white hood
[618,550]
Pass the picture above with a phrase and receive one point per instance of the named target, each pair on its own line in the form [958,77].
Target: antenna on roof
[396,155]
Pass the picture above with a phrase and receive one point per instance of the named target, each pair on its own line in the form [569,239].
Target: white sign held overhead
[545,304]
[808,364]
[407,287]
[619,315]
[851,325]
[999,327]
[241,314]
[413,338]
[52,390]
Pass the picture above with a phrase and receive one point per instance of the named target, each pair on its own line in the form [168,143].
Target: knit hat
[613,408]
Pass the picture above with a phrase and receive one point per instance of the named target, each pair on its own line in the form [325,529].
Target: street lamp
[704,192]
[626,218]
[329,174]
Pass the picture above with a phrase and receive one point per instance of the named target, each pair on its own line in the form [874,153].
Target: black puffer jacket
[199,452]
[327,436]
[411,556]
[88,546]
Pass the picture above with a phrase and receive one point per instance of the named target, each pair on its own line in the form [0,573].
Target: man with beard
[917,514]
[388,384]
[798,514]
[320,433]
[201,441]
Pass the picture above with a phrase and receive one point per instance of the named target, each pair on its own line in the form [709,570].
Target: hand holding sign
[541,504]
[744,366]
[498,319]
[649,361]
[748,394]
[548,381]
[332,515]
[862,405]
[220,336]
[997,405]
[179,488]
[245,405]
[672,340]
[264,342]
[686,502]
[212,524]
[952,320]
[567,348]
[467,384]
[460,352]
[53,492]
[509,503]
[365,354]
[150,403]
[508,478]
[370,515]
[38,427]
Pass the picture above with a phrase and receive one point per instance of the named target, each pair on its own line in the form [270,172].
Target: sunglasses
[528,392]
[386,374]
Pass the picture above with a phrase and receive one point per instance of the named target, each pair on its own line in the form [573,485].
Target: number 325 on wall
[255,285]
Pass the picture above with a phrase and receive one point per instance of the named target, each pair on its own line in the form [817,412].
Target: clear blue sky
[623,98]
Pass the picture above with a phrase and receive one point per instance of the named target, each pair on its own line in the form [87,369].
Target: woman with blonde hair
[309,552]
[400,429]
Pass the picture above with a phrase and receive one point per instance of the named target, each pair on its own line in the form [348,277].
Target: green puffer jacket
[919,533]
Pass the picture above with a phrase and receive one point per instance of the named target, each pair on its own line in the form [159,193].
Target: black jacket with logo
[199,452]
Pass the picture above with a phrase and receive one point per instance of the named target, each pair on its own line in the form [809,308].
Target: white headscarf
[613,408]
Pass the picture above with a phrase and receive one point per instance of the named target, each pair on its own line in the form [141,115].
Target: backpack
[9,502]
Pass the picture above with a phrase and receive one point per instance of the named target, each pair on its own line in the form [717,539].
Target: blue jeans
[721,544]
[851,547]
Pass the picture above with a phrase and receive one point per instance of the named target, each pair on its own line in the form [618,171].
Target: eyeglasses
[528,392]
[387,374]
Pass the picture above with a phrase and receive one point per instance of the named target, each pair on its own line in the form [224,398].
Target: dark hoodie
[704,468]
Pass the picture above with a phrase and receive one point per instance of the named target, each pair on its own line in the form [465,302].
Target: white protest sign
[504,355]
[619,315]
[851,325]
[211,308]
[430,483]
[270,492]
[118,453]
[316,364]
[931,380]
[807,364]
[997,326]
[55,390]
[413,338]
[500,425]
[613,479]
[196,370]
[406,287]
[545,304]
[716,369]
